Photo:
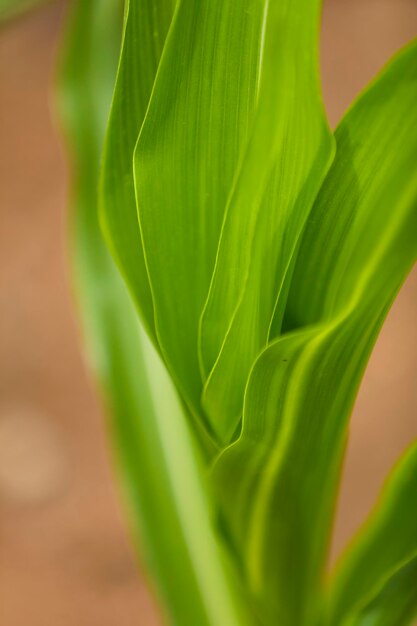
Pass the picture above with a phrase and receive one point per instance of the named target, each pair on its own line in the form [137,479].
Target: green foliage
[262,253]
[159,465]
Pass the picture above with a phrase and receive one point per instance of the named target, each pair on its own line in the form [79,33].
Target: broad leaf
[277,483]
[287,157]
[190,144]
[159,466]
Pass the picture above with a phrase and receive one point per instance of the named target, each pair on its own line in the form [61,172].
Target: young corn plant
[254,257]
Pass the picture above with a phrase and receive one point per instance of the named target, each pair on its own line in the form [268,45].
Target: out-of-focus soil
[65,559]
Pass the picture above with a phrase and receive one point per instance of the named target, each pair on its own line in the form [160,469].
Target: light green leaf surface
[277,483]
[156,454]
[198,120]
[145,28]
[287,157]
[372,580]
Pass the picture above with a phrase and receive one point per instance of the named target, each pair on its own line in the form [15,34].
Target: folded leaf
[159,465]
[146,25]
[372,570]
[277,483]
[190,144]
[286,159]
[145,28]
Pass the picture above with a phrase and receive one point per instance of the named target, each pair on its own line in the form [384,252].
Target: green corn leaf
[157,457]
[372,580]
[277,483]
[287,157]
[187,153]
[210,220]
[396,603]
[145,28]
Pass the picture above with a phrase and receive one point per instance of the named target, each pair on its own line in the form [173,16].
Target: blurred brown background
[65,559]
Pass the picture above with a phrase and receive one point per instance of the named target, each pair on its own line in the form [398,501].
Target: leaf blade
[185,159]
[302,387]
[288,154]
[158,459]
[148,23]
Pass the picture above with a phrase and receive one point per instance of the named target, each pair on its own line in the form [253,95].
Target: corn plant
[254,256]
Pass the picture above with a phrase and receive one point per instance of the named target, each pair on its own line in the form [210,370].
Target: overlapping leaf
[235,124]
[190,144]
[289,152]
[159,465]
[277,483]
[145,29]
